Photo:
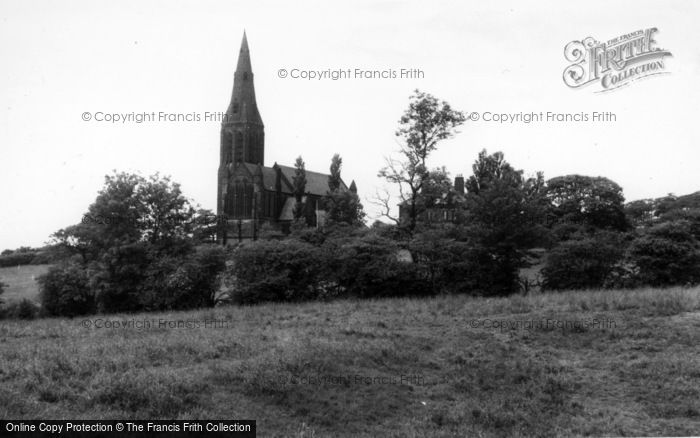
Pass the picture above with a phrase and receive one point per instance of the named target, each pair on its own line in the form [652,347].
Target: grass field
[393,367]
[21,282]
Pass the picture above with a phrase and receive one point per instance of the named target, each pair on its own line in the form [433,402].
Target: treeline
[477,235]
[29,256]
[578,229]
[474,236]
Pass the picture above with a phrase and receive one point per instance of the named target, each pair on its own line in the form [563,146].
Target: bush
[318,265]
[65,291]
[584,263]
[179,283]
[369,266]
[2,290]
[667,254]
[27,309]
[24,309]
[285,270]
[118,279]
[446,264]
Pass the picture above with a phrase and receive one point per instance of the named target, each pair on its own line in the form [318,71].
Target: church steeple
[243,106]
[242,130]
[244,56]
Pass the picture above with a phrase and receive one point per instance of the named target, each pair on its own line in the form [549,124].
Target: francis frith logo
[616,62]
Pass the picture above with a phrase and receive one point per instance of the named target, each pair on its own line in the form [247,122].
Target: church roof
[316,183]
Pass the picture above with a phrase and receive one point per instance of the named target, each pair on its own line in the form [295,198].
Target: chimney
[459,184]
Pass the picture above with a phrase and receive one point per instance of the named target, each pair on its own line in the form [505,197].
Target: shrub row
[295,270]
[666,254]
[362,265]
[132,278]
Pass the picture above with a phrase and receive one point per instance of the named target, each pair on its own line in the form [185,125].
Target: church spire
[244,56]
[243,106]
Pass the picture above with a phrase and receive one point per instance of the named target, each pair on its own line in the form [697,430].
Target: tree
[592,202]
[205,225]
[342,206]
[437,188]
[334,179]
[504,215]
[681,208]
[131,209]
[667,254]
[138,229]
[649,212]
[489,170]
[299,186]
[426,122]
[641,213]
[65,291]
[167,215]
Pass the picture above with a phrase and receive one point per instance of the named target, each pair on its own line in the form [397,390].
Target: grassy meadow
[439,367]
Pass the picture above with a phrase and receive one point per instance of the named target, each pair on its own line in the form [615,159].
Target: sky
[61,60]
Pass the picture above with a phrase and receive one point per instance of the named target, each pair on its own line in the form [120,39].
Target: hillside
[394,367]
[21,282]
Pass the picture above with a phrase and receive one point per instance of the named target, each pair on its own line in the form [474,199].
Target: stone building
[250,194]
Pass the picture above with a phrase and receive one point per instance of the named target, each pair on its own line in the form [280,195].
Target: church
[250,194]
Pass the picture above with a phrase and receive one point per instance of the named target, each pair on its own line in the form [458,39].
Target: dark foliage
[176,283]
[275,270]
[504,217]
[667,254]
[593,201]
[587,262]
[135,250]
[65,291]
[370,266]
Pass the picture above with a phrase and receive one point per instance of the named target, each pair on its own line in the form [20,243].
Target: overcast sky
[61,59]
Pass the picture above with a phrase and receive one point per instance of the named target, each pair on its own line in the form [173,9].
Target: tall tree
[505,215]
[342,206]
[426,122]
[299,185]
[334,177]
